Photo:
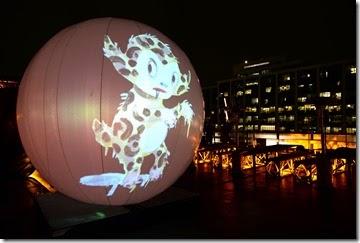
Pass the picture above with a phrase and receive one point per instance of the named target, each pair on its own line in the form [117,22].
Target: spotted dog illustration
[141,124]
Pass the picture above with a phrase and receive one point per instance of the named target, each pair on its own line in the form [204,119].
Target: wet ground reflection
[228,206]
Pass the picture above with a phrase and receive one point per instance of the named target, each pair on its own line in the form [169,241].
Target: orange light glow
[286,167]
[308,141]
[313,172]
[338,166]
[36,176]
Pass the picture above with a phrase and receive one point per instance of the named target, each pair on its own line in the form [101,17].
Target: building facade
[272,103]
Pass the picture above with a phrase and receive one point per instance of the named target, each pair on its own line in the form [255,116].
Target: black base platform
[63,213]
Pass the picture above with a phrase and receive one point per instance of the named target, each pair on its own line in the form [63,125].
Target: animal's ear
[119,59]
[184,84]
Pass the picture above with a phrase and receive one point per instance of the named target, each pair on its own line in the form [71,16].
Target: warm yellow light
[338,166]
[36,175]
[313,172]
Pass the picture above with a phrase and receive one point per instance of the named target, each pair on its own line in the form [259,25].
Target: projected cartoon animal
[141,124]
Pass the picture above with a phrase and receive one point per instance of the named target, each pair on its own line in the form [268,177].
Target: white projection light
[151,67]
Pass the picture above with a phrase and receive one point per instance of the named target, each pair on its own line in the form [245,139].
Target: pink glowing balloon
[110,111]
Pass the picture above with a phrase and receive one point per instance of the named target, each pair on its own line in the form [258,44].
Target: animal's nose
[163,84]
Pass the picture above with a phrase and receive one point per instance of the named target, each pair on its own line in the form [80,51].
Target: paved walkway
[246,207]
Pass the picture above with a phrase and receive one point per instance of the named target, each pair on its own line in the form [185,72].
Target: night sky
[214,34]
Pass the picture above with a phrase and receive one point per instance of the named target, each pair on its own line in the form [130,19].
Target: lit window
[239,93]
[337,129]
[353,70]
[310,85]
[310,107]
[351,106]
[351,130]
[268,89]
[326,74]
[291,118]
[284,98]
[284,87]
[254,100]
[325,94]
[332,108]
[308,75]
[307,107]
[252,83]
[248,91]
[249,127]
[353,118]
[280,109]
[271,120]
[250,109]
[301,86]
[338,96]
[301,99]
[267,128]
[288,108]
[226,94]
[338,83]
[266,101]
[265,109]
[287,77]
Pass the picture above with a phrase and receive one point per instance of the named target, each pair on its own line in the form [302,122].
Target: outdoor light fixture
[257,65]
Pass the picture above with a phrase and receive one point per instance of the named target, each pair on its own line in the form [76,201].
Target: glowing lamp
[110,111]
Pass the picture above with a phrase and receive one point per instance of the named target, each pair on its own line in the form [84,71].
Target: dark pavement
[226,207]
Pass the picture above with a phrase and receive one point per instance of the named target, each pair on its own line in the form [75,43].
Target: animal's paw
[110,48]
[157,172]
[186,111]
[170,118]
[130,180]
[144,179]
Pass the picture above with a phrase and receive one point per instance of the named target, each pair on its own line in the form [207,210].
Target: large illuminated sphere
[110,111]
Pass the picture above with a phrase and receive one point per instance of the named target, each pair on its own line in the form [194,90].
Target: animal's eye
[152,68]
[174,77]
